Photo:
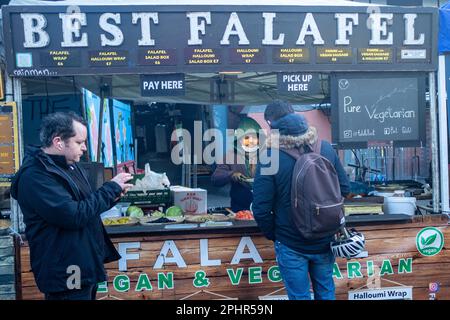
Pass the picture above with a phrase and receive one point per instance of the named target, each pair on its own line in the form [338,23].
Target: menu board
[291,55]
[9,145]
[157,57]
[334,55]
[246,55]
[61,58]
[103,58]
[375,55]
[202,56]
[382,107]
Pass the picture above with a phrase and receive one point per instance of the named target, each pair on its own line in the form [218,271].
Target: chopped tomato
[244,215]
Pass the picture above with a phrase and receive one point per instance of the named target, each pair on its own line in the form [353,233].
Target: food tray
[152,221]
[202,218]
[131,222]
[157,196]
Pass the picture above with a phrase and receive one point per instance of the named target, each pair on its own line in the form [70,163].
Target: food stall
[185,62]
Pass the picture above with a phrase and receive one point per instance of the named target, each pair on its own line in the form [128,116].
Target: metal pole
[14,93]
[443,137]
[434,142]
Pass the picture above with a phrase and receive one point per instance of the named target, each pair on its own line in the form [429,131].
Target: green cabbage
[174,211]
[135,212]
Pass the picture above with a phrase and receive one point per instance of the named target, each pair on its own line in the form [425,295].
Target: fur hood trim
[291,142]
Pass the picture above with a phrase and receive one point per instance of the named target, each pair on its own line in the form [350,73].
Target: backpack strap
[317,146]
[298,152]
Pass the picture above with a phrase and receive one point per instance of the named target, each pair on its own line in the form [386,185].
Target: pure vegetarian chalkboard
[378,108]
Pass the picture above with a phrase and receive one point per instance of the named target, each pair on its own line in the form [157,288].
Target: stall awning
[444,29]
[193,2]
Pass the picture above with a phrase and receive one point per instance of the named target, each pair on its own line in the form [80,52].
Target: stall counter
[406,259]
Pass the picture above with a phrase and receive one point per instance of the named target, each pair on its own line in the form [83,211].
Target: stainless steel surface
[434,142]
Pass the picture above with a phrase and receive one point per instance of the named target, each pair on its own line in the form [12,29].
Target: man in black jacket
[68,243]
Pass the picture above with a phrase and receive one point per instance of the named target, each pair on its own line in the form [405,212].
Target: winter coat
[240,192]
[63,228]
[272,197]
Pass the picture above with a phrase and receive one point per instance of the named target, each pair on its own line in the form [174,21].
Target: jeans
[295,267]
[85,293]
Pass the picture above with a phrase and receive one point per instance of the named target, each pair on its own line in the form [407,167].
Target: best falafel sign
[59,40]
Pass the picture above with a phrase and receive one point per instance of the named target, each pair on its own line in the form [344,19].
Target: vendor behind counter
[240,175]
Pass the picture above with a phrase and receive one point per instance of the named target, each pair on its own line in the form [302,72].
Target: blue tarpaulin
[444,29]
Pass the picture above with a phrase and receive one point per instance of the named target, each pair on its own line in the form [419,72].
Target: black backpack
[317,206]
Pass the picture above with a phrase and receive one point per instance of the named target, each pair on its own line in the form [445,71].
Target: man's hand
[236,176]
[121,179]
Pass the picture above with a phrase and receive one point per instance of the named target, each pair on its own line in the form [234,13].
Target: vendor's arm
[55,204]
[222,175]
[263,201]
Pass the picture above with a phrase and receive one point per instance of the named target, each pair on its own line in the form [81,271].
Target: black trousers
[85,293]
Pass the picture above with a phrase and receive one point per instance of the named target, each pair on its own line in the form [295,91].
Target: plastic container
[399,193]
[399,205]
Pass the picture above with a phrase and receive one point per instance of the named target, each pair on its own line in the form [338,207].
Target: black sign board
[108,58]
[375,55]
[246,55]
[379,108]
[163,85]
[291,55]
[202,56]
[334,55]
[297,82]
[128,39]
[157,57]
[61,58]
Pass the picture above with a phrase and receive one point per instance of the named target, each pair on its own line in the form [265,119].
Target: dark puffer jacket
[63,228]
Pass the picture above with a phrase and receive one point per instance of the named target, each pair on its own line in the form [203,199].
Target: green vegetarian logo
[430,241]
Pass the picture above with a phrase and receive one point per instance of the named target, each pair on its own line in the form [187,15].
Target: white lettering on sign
[146,35]
[349,107]
[234,27]
[268,30]
[33,30]
[246,242]
[378,26]
[112,29]
[163,85]
[36,36]
[410,19]
[163,257]
[310,28]
[297,82]
[169,253]
[197,26]
[123,247]
[345,22]
[71,26]
[204,255]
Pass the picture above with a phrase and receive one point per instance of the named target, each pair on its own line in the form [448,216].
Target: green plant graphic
[428,241]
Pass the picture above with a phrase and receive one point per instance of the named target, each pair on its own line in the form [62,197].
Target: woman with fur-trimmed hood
[299,259]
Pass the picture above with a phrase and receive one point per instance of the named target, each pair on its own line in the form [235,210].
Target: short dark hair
[277,109]
[59,124]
